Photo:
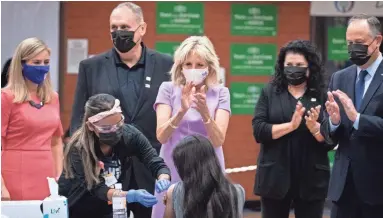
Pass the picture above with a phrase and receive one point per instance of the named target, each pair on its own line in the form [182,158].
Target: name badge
[110,179]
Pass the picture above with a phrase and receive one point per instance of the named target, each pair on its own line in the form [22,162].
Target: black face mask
[123,40]
[111,138]
[295,75]
[359,53]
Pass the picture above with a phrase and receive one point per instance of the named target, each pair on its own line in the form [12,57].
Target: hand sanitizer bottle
[119,204]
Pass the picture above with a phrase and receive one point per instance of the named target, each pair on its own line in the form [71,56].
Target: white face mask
[197,76]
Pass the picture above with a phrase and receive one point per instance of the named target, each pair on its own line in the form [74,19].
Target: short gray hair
[372,22]
[134,8]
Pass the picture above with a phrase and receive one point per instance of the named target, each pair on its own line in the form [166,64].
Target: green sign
[180,18]
[167,47]
[244,97]
[252,59]
[337,44]
[253,20]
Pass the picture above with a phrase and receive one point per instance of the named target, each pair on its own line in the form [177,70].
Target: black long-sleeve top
[93,203]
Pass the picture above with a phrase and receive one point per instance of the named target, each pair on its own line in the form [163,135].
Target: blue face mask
[35,74]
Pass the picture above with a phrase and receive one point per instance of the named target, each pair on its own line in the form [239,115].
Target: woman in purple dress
[194,102]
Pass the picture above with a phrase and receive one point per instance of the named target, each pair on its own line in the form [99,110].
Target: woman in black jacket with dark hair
[293,166]
[98,156]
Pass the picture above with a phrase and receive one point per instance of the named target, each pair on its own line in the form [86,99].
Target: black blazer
[93,203]
[99,75]
[362,149]
[273,173]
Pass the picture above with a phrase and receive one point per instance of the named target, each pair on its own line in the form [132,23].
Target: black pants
[272,208]
[140,173]
[350,205]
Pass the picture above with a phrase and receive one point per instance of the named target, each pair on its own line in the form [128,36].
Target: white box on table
[56,207]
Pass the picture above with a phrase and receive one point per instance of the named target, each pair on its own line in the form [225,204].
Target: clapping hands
[199,101]
[297,116]
[332,109]
[194,98]
[188,91]
[312,117]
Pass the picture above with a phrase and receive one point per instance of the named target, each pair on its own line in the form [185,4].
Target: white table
[23,209]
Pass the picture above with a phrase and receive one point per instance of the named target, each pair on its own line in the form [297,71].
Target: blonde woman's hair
[202,46]
[25,51]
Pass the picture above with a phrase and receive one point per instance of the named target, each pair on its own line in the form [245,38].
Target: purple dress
[217,97]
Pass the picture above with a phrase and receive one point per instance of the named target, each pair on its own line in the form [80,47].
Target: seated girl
[204,192]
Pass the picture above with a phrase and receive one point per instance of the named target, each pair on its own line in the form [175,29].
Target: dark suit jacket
[360,149]
[274,162]
[99,75]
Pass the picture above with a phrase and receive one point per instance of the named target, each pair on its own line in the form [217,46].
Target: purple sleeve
[164,94]
[224,99]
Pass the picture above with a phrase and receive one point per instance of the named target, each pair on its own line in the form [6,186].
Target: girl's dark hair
[315,81]
[206,187]
[84,140]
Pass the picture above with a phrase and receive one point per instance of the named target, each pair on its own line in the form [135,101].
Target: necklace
[38,106]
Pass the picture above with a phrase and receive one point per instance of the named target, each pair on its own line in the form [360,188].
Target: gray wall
[21,20]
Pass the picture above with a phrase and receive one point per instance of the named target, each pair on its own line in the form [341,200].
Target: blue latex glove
[162,185]
[141,196]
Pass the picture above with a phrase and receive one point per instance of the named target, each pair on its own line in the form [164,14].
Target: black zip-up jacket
[93,203]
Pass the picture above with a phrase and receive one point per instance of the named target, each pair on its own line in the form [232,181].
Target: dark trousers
[272,208]
[140,171]
[351,206]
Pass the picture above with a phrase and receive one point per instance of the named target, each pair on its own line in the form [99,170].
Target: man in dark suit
[132,73]
[355,121]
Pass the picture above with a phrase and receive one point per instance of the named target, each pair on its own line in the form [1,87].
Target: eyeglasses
[110,128]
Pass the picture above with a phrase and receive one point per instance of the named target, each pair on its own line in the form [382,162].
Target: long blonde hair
[25,51]
[202,46]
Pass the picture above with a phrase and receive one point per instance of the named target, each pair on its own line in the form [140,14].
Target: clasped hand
[193,98]
[311,117]
[332,107]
